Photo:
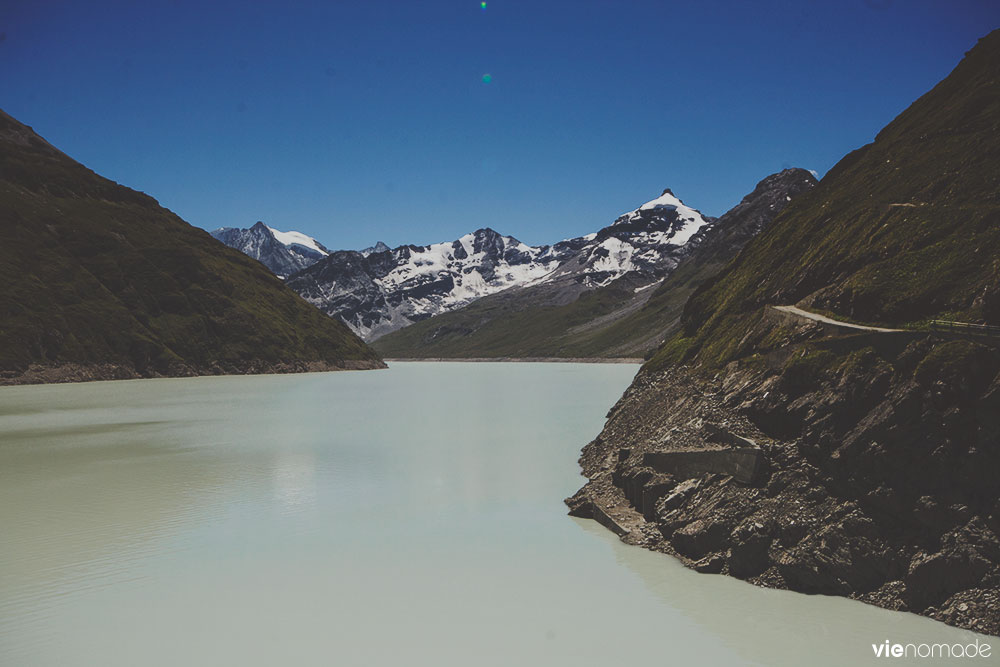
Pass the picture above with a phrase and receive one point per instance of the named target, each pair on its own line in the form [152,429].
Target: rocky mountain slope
[799,454]
[381,290]
[282,252]
[378,291]
[580,311]
[100,282]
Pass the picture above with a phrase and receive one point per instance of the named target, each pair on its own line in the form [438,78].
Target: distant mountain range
[618,296]
[100,281]
[383,290]
[379,290]
[282,252]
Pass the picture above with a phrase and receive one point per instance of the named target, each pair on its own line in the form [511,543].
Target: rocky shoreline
[73,372]
[873,476]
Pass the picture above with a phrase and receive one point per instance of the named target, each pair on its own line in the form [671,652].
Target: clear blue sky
[360,120]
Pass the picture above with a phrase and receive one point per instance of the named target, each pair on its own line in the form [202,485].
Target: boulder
[699,538]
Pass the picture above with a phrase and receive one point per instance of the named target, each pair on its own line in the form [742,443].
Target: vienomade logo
[974,650]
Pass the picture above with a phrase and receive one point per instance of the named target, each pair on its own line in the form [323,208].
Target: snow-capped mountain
[636,275]
[377,290]
[283,253]
[383,290]
[378,247]
[649,240]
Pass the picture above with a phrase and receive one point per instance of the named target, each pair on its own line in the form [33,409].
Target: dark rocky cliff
[796,454]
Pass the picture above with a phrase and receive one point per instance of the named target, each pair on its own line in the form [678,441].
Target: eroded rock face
[880,480]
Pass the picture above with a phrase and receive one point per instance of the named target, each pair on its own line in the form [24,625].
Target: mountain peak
[282,252]
[666,200]
[378,247]
[794,177]
[486,231]
[684,220]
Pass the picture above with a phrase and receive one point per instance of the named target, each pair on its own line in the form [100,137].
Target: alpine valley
[800,393]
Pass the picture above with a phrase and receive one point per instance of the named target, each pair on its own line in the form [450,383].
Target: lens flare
[487,78]
[482,5]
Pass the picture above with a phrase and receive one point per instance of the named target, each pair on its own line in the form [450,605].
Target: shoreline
[794,524]
[613,512]
[529,360]
[69,373]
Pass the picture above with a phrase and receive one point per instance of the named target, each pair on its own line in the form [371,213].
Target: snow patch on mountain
[691,219]
[283,253]
[384,290]
[298,238]
[378,289]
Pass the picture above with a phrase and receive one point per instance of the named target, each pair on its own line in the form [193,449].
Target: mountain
[618,296]
[644,242]
[101,282]
[855,455]
[388,289]
[379,290]
[378,247]
[282,252]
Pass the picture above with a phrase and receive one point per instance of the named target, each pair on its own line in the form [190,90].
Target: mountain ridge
[626,316]
[100,282]
[283,253]
[380,290]
[824,459]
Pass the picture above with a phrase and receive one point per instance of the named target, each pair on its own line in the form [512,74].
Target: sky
[419,121]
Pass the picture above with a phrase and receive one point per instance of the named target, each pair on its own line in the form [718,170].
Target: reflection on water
[294,480]
[406,516]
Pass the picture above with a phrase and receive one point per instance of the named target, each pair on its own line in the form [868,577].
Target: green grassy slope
[901,231]
[500,325]
[95,273]
[609,322]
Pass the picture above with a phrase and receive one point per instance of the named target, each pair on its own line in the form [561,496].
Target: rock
[835,559]
[890,595]
[710,564]
[677,496]
[936,577]
[657,487]
[699,538]
[977,608]
[975,535]
[748,556]
[580,505]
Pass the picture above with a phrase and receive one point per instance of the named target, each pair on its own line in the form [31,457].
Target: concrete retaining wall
[742,463]
[605,519]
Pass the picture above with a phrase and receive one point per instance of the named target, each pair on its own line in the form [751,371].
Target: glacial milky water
[412,516]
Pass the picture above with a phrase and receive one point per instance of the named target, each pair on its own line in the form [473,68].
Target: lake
[411,516]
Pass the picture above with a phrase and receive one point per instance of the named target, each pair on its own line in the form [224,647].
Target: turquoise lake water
[411,516]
